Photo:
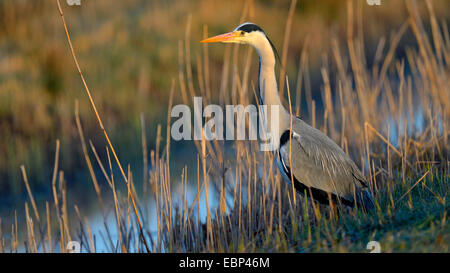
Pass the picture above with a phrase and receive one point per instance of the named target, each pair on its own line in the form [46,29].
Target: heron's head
[246,33]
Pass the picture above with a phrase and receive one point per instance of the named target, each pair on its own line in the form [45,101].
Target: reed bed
[391,117]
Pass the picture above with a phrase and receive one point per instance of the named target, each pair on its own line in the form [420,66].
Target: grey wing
[318,163]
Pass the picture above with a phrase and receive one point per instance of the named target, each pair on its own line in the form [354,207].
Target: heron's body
[312,161]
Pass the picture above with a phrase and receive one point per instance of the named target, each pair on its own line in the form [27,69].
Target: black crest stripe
[250,27]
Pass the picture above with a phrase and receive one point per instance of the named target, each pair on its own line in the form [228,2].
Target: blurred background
[128,51]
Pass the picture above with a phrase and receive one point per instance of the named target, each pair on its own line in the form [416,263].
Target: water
[97,221]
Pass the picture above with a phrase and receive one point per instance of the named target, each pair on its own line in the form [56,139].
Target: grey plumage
[320,164]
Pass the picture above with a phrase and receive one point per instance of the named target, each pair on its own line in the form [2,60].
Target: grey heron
[305,156]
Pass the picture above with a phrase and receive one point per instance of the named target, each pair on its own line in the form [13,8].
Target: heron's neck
[268,88]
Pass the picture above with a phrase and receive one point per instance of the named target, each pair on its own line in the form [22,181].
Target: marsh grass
[391,118]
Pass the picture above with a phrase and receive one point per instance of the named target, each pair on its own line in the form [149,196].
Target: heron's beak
[223,38]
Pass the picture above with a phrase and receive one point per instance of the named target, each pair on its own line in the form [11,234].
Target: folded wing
[318,163]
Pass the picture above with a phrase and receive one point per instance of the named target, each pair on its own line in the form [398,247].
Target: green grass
[416,224]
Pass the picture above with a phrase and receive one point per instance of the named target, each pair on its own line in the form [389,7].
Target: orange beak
[224,38]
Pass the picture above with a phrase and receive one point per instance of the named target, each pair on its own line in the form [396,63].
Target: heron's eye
[242,33]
